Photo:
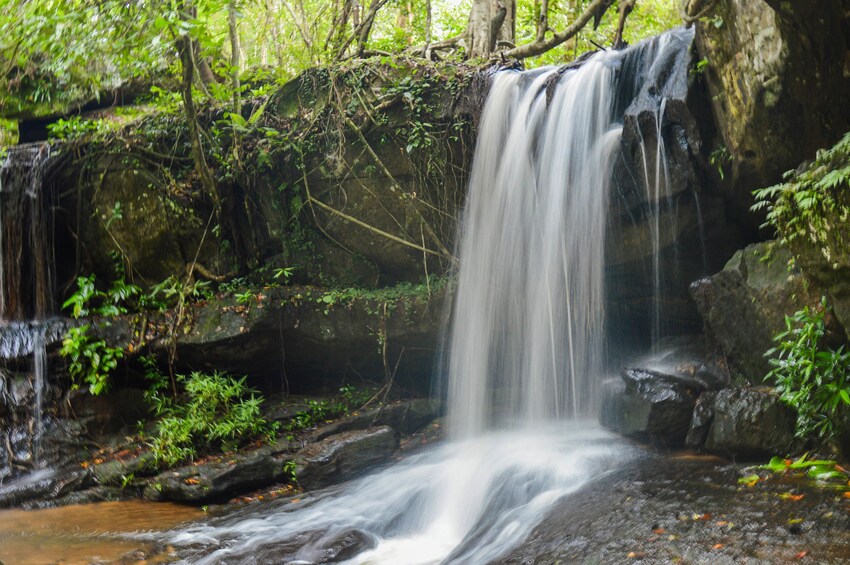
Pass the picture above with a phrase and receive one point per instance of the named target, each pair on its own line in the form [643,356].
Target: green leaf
[237,120]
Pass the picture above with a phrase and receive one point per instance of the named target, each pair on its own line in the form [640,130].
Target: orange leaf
[659,531]
[801,555]
[717,546]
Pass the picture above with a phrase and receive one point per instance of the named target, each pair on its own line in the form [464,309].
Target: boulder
[217,479]
[750,423]
[777,70]
[744,305]
[119,472]
[404,417]
[669,221]
[315,337]
[650,406]
[339,456]
[701,420]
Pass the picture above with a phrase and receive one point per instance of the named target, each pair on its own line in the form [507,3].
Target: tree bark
[235,57]
[490,23]
[186,50]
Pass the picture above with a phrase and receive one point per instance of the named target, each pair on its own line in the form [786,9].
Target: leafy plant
[810,379]
[75,127]
[90,360]
[318,411]
[219,412]
[720,156]
[289,469]
[818,469]
[812,206]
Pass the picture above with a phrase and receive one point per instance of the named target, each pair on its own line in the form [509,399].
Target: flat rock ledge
[331,453]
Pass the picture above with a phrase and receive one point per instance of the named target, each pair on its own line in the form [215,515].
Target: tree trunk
[235,57]
[490,22]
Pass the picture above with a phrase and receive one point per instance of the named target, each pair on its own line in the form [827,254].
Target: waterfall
[26,262]
[26,273]
[527,336]
[526,347]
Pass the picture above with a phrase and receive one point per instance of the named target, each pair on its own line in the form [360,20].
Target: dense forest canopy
[56,53]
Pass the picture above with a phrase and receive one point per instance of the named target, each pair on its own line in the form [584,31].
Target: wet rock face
[744,305]
[701,420]
[317,465]
[343,454]
[663,209]
[776,70]
[216,480]
[749,423]
[650,406]
[700,514]
[290,333]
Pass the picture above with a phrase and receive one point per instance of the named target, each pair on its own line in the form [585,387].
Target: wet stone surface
[692,510]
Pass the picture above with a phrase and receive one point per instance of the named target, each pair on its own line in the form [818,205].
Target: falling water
[662,208]
[525,352]
[26,279]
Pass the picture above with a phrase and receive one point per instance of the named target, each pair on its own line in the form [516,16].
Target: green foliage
[75,127]
[719,158]
[289,469]
[172,291]
[90,360]
[319,411]
[219,413]
[89,301]
[818,469]
[812,206]
[810,379]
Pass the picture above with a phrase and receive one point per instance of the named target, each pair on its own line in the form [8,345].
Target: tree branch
[541,45]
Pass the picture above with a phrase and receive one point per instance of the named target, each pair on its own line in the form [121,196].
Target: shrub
[811,208]
[812,380]
[219,412]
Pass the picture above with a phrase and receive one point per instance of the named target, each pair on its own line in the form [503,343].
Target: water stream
[526,349]
[26,297]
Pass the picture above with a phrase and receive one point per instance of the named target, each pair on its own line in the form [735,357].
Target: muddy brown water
[85,534]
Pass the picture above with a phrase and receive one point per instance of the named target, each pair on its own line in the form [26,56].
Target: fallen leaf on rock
[792,497]
[659,531]
[717,546]
[801,555]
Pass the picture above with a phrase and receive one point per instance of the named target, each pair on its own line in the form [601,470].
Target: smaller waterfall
[39,366]
[26,292]
[26,250]
[662,196]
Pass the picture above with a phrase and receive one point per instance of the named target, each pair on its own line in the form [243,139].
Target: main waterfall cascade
[525,352]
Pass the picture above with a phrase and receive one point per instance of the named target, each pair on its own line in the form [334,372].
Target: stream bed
[593,498]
